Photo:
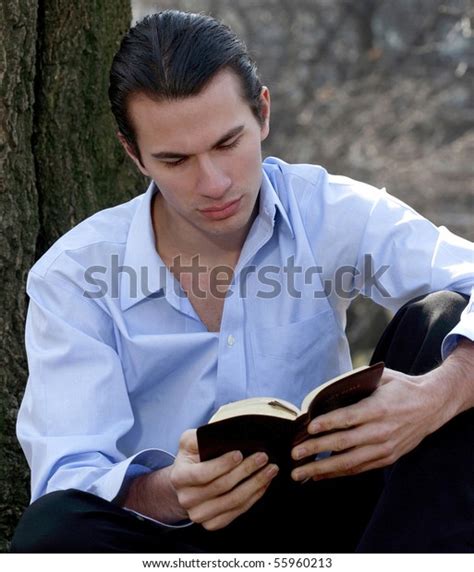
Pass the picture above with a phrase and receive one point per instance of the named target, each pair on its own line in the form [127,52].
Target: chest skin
[209,311]
[206,292]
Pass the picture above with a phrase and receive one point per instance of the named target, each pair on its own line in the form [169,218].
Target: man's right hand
[214,493]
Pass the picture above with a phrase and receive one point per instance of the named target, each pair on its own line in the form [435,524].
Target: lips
[223,211]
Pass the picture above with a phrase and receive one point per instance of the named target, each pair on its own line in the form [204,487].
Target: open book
[275,426]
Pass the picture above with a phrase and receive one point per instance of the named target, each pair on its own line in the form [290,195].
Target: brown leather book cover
[276,436]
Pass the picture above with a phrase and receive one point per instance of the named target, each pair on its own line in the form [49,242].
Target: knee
[439,304]
[412,342]
[436,313]
[52,523]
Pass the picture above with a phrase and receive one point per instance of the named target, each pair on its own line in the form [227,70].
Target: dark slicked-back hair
[172,55]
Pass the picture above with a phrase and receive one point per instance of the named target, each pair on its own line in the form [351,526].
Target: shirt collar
[144,273]
[270,204]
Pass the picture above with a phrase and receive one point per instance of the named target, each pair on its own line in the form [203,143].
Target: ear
[130,152]
[265,107]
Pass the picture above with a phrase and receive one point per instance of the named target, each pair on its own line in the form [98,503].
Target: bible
[275,426]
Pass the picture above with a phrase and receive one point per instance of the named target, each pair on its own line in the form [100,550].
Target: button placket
[231,369]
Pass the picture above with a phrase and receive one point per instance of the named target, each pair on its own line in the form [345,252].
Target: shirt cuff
[140,516]
[462,330]
[114,484]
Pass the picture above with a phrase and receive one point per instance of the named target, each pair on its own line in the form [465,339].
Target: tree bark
[59,163]
[18,232]
[81,167]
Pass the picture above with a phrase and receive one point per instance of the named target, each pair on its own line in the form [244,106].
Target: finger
[367,434]
[364,411]
[224,519]
[343,464]
[243,471]
[235,500]
[195,495]
[378,464]
[202,473]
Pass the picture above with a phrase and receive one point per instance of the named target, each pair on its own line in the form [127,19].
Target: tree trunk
[59,163]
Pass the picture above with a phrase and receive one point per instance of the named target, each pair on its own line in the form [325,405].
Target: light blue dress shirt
[120,363]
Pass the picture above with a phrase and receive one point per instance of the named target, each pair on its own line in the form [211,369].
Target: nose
[212,180]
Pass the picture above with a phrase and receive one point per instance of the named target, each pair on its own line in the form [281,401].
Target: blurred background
[377,90]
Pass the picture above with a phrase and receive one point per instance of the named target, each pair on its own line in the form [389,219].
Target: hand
[374,432]
[215,492]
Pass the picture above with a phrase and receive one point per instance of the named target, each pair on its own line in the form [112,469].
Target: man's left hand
[376,431]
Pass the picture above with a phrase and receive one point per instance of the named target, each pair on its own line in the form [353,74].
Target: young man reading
[147,317]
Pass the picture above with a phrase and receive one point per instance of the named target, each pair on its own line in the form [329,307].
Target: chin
[225,227]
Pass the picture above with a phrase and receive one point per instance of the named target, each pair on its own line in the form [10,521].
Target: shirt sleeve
[76,407]
[410,256]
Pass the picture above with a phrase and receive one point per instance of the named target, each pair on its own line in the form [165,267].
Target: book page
[257,406]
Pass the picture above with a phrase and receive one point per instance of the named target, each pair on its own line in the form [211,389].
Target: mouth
[223,211]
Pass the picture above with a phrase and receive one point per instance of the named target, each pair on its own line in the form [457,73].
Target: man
[147,317]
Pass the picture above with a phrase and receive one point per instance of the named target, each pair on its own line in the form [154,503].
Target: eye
[172,164]
[230,145]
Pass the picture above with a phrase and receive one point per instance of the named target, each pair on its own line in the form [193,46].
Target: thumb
[388,375]
[188,442]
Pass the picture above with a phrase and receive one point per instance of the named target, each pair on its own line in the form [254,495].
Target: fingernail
[300,453]
[271,471]
[298,476]
[261,459]
[314,427]
[237,456]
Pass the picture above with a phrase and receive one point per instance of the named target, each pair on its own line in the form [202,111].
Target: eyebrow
[173,155]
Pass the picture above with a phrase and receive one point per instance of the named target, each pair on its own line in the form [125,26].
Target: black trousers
[422,503]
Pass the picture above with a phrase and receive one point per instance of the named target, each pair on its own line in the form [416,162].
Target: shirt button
[230,341]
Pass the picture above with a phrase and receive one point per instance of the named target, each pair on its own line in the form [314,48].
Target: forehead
[190,122]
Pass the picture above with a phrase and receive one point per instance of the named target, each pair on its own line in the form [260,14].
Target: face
[204,154]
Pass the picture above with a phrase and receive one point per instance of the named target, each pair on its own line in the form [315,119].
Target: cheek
[175,187]
[172,196]
[248,165]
